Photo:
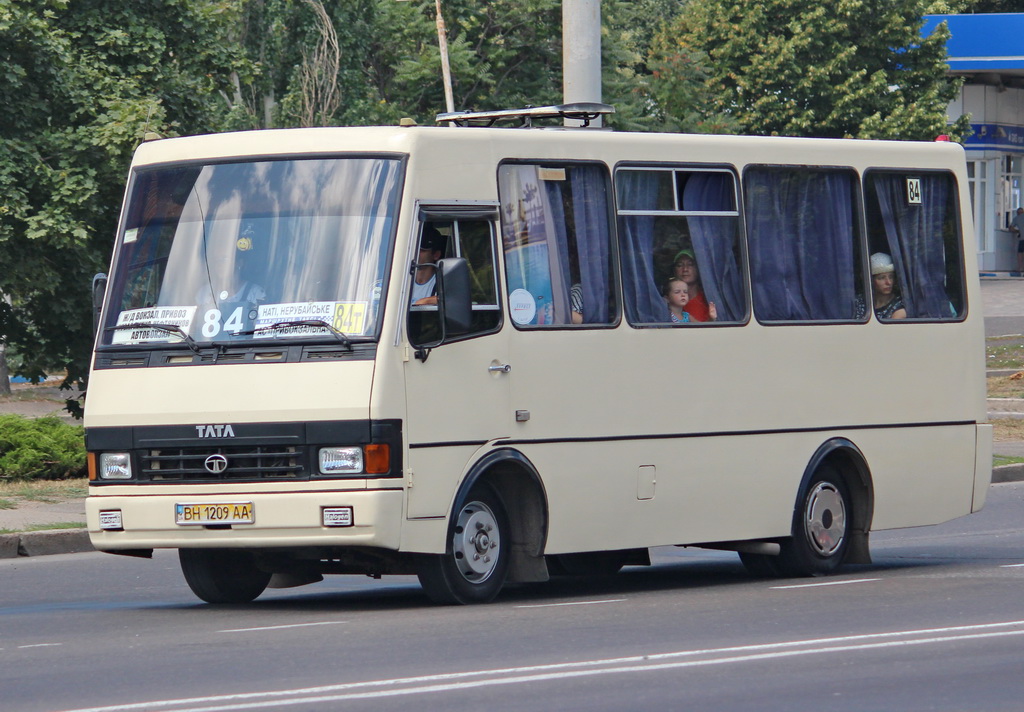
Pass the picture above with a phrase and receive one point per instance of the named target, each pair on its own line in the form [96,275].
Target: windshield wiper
[340,336]
[169,328]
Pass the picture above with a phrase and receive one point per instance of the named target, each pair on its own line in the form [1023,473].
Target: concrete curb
[44,543]
[1008,473]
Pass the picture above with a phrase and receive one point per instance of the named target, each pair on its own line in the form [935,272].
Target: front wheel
[820,527]
[222,575]
[473,568]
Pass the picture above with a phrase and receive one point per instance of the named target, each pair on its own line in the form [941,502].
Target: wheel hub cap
[826,519]
[476,542]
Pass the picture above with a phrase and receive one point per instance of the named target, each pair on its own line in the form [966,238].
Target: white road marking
[446,682]
[41,645]
[279,627]
[825,583]
[572,603]
[1011,566]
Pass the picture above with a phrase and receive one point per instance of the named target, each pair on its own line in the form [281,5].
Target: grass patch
[1007,429]
[998,460]
[1004,387]
[1004,352]
[27,395]
[42,490]
[45,527]
[55,525]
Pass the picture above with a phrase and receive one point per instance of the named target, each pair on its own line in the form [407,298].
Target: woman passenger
[888,303]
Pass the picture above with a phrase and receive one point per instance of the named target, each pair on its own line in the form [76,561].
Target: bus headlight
[115,466]
[341,460]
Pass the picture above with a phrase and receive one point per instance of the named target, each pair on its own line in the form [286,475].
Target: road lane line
[824,583]
[41,645]
[571,603]
[279,627]
[639,663]
[1011,566]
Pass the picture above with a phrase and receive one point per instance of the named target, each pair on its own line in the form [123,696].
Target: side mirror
[99,289]
[454,295]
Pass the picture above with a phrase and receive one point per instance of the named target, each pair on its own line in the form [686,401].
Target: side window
[802,237]
[679,241]
[471,238]
[556,236]
[474,240]
[914,239]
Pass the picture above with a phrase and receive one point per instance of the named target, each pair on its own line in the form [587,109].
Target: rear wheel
[222,575]
[473,568]
[820,527]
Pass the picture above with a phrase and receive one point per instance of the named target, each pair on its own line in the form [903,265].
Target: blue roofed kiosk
[987,50]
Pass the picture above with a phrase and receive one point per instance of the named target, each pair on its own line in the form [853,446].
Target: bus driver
[424,283]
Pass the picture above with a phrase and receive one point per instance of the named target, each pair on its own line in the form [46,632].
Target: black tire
[761,565]
[222,575]
[821,526]
[475,563]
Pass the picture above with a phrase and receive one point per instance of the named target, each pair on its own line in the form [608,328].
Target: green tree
[82,82]
[853,68]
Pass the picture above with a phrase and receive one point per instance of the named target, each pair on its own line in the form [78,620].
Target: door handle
[500,368]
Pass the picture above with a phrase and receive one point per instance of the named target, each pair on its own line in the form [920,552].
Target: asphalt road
[1003,306]
[936,623]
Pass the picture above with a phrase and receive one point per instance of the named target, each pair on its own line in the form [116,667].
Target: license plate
[215,513]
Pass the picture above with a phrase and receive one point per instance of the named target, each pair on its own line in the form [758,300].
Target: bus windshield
[230,252]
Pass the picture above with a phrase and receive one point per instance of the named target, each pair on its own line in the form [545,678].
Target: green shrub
[40,448]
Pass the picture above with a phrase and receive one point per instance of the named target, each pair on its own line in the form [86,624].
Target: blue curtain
[590,217]
[558,253]
[800,230]
[714,241]
[638,190]
[915,233]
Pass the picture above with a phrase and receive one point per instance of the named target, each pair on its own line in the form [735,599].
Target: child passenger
[677,295]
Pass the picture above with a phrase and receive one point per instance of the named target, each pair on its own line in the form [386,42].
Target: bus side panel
[704,489]
[921,475]
[982,466]
[732,488]
[436,475]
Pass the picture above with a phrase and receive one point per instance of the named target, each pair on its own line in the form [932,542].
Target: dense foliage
[44,448]
[82,82]
[852,68]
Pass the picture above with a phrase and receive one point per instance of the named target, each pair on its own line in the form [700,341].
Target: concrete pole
[581,53]
[446,72]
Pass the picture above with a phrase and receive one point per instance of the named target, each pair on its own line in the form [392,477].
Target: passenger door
[457,393]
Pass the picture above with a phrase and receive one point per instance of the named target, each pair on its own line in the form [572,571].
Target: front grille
[259,462]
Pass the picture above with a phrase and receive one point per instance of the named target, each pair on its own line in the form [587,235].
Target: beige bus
[483,353]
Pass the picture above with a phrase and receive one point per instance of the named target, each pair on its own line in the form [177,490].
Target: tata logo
[214,431]
[216,464]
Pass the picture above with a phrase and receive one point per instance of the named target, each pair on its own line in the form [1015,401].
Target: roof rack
[585,111]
